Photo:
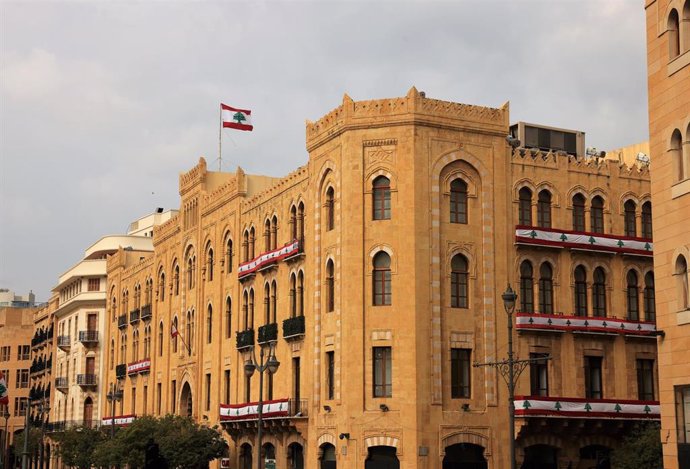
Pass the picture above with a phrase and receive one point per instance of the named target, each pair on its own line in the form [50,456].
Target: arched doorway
[88,412]
[382,457]
[540,457]
[327,456]
[596,456]
[268,451]
[245,456]
[186,401]
[295,456]
[464,456]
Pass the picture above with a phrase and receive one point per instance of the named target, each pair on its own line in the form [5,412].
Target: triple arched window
[382,198]
[382,294]
[458,201]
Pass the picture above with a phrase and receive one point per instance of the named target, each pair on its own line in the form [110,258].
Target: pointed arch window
[630,225]
[458,201]
[228,254]
[578,212]
[682,281]
[160,339]
[252,243]
[228,318]
[300,225]
[245,310]
[599,293]
[546,288]
[382,279]
[330,209]
[274,301]
[175,333]
[580,291]
[673,31]
[633,293]
[274,232]
[544,209]
[526,287]
[525,207]
[176,279]
[330,286]
[293,222]
[267,235]
[245,246]
[459,282]
[209,263]
[209,324]
[189,339]
[161,286]
[382,198]
[300,293]
[597,214]
[267,303]
[293,295]
[647,220]
[678,160]
[649,298]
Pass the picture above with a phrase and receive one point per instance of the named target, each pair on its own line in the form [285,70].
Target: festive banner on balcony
[585,408]
[582,240]
[552,322]
[268,258]
[139,367]
[121,420]
[249,411]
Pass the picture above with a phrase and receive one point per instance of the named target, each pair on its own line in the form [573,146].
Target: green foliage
[34,441]
[184,443]
[78,445]
[640,450]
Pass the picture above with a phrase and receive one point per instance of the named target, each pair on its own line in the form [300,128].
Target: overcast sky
[104,103]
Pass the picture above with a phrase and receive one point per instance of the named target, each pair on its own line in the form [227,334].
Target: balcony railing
[64,342]
[122,321]
[120,420]
[145,312]
[134,316]
[87,380]
[121,370]
[267,259]
[293,328]
[268,333]
[572,407]
[583,325]
[88,337]
[278,408]
[583,240]
[61,383]
[245,339]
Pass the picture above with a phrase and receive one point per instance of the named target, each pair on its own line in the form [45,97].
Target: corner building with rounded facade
[377,270]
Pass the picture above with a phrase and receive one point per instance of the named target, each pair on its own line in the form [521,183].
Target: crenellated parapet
[413,109]
[166,230]
[282,185]
[193,177]
[233,187]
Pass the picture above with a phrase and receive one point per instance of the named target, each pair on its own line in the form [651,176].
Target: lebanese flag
[240,119]
[173,331]
[4,399]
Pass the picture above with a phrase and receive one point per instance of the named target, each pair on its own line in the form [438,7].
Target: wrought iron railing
[268,333]
[293,327]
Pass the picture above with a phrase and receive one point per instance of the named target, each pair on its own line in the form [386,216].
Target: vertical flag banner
[173,331]
[240,119]
[4,399]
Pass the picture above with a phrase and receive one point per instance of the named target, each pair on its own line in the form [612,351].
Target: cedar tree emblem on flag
[240,119]
[4,400]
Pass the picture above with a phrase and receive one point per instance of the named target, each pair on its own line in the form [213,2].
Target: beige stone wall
[669,110]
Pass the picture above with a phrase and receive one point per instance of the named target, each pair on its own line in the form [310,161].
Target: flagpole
[220,139]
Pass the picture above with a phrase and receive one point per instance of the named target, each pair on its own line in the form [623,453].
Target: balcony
[134,316]
[293,328]
[279,416]
[267,260]
[583,241]
[268,333]
[298,254]
[558,323]
[146,312]
[61,384]
[141,366]
[87,380]
[572,407]
[88,337]
[121,371]
[245,339]
[56,427]
[64,342]
[122,321]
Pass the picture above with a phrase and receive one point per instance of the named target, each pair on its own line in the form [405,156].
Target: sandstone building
[668,63]
[376,270]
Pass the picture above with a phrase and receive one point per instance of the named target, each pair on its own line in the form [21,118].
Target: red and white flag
[173,331]
[240,119]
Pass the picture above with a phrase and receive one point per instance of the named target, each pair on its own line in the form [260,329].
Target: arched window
[135,345]
[293,295]
[647,220]
[160,339]
[330,286]
[251,308]
[123,350]
[525,207]
[580,291]
[685,33]
[147,342]
[633,295]
[459,283]
[682,280]
[245,310]
[274,302]
[267,235]
[176,279]
[267,303]
[252,243]
[209,324]
[112,354]
[228,318]
[382,198]
[245,246]
[293,222]
[300,225]
[189,338]
[382,279]
[458,201]
[630,226]
[544,209]
[678,161]
[274,232]
[330,209]
[546,288]
[228,254]
[649,298]
[673,34]
[526,287]
[175,332]
[209,262]
[597,214]
[161,286]
[113,306]
[599,293]
[578,212]
[300,293]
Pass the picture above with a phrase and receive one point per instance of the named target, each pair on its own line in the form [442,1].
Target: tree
[641,449]
[78,445]
[34,442]
[184,443]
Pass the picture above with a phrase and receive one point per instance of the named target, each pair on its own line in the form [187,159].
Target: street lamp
[3,456]
[271,366]
[511,368]
[114,395]
[43,408]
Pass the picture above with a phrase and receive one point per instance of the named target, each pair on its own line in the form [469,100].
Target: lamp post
[511,368]
[114,395]
[43,408]
[5,440]
[27,431]
[271,366]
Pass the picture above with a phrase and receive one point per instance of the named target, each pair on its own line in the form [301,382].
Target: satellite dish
[642,158]
[512,141]
[594,153]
